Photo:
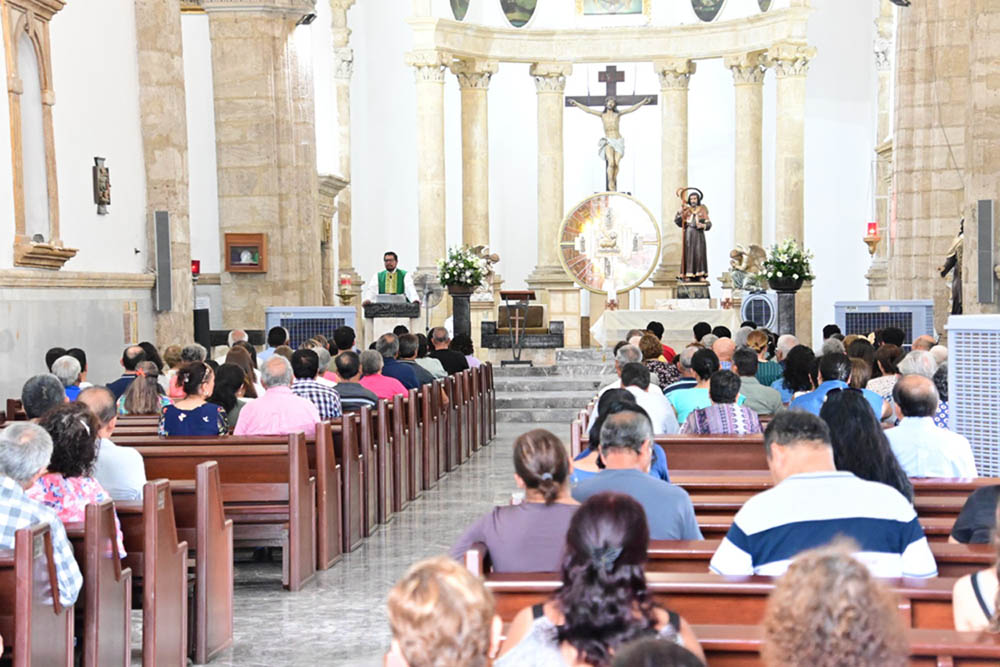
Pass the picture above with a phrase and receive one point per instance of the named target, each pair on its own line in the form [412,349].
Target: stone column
[428,67]
[343,70]
[748,82]
[164,143]
[550,82]
[329,187]
[878,273]
[675,74]
[474,81]
[265,139]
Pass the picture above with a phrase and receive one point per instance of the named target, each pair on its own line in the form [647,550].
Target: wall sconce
[872,238]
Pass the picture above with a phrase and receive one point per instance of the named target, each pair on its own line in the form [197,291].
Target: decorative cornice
[26,278]
[43,9]
[674,73]
[343,66]
[291,7]
[473,73]
[550,77]
[747,68]
[192,7]
[330,185]
[427,65]
[42,255]
[790,60]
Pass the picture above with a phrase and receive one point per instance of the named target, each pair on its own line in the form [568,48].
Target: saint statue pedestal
[692,290]
[382,317]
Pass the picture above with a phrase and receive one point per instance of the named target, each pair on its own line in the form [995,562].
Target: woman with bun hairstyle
[193,415]
[529,537]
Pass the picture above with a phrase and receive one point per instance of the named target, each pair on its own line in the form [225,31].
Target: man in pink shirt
[278,411]
[372,379]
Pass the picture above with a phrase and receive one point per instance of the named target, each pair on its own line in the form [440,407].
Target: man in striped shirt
[812,503]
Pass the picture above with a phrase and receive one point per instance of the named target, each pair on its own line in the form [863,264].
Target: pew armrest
[475,559]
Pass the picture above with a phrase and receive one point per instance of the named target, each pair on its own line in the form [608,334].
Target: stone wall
[946,102]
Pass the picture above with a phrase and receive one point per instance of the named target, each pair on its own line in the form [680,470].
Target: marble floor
[341,618]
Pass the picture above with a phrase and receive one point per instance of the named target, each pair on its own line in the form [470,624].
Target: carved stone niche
[26,36]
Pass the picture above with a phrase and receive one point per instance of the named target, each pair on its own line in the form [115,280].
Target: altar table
[612,325]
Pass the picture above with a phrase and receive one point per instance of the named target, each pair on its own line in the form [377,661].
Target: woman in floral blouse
[67,488]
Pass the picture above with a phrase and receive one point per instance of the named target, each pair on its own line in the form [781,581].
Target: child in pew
[603,603]
[529,537]
[442,616]
[976,597]
[828,611]
[588,463]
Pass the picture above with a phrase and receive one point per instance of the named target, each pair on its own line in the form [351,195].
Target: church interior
[539,189]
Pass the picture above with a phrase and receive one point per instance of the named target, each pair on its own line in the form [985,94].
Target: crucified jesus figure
[611,147]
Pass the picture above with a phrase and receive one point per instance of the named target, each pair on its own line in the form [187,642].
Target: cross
[610,77]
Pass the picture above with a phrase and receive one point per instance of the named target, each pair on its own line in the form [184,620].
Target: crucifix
[611,147]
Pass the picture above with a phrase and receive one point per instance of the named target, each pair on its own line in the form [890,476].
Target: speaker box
[202,329]
[984,220]
[161,236]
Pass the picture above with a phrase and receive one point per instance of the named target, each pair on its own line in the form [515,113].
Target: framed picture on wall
[246,253]
[612,7]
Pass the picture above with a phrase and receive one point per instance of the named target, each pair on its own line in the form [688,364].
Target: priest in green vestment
[391,281]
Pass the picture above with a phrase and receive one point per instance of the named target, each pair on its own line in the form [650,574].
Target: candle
[345,281]
[195,267]
[872,229]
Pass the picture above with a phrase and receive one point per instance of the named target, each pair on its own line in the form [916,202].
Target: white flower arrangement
[462,267]
[788,260]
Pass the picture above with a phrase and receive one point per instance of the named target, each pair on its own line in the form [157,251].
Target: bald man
[724,349]
[923,449]
[924,342]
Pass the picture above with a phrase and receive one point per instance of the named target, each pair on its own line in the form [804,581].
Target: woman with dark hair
[68,486]
[723,416]
[859,442]
[975,598]
[588,462]
[528,537]
[192,415]
[152,354]
[798,377]
[861,373]
[603,603]
[860,348]
[230,388]
[238,356]
[652,652]
[463,343]
[941,384]
[885,370]
[143,395]
[652,358]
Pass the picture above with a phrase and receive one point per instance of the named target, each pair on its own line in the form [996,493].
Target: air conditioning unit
[974,386]
[915,318]
[761,308]
[304,322]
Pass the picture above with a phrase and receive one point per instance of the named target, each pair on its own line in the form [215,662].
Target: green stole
[400,277]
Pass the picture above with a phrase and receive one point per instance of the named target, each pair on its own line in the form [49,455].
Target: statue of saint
[953,262]
[693,219]
[611,147]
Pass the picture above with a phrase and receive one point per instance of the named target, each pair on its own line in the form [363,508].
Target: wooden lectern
[517,312]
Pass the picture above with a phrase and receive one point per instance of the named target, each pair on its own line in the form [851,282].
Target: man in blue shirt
[834,372]
[388,347]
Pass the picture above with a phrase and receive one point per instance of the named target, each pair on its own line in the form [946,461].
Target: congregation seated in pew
[635,380]
[626,450]
[143,395]
[41,393]
[797,377]
[761,398]
[655,652]
[119,470]
[229,393]
[68,485]
[587,463]
[976,523]
[704,363]
[529,536]
[603,603]
[834,373]
[353,396]
[374,380]
[305,367]
[193,414]
[975,596]
[723,416]
[25,452]
[812,503]
[279,411]
[859,442]
[828,610]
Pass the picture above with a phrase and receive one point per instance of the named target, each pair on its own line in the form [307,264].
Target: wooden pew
[33,622]
[474,414]
[415,442]
[202,523]
[399,424]
[740,645]
[105,603]
[349,494]
[705,598]
[453,443]
[491,394]
[709,452]
[430,395]
[160,561]
[715,527]
[707,505]
[267,492]
[370,473]
[386,466]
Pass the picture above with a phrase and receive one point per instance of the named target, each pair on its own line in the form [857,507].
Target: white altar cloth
[612,325]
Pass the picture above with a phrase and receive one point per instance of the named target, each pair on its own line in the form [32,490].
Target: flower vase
[460,308]
[785,284]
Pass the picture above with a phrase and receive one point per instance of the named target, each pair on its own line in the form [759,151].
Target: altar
[612,325]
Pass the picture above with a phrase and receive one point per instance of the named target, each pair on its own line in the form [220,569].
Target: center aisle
[341,618]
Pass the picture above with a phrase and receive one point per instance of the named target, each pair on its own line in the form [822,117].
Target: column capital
[293,8]
[790,59]
[674,72]
[474,72]
[343,66]
[338,22]
[550,77]
[428,65]
[747,68]
[882,49]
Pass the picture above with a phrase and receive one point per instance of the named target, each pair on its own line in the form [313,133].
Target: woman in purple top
[529,537]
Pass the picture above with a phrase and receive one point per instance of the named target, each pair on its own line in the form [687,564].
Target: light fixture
[307,19]
[872,238]
[901,3]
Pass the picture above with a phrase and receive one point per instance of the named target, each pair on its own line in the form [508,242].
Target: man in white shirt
[391,281]
[120,470]
[923,449]
[635,380]
[626,354]
[812,503]
[234,336]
